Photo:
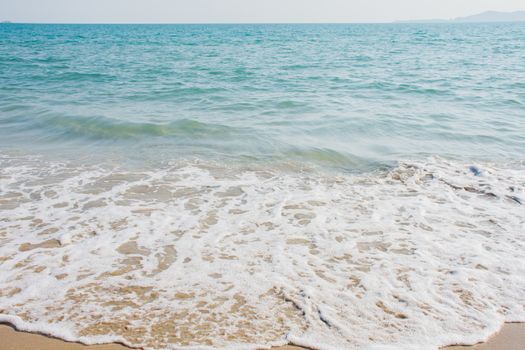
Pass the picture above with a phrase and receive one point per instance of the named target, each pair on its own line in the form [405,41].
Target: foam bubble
[196,254]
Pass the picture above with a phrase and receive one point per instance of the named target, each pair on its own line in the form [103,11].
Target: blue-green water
[343,96]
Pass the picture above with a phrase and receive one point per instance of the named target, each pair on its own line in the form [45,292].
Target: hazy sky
[216,11]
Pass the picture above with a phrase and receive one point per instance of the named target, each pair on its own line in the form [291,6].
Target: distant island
[488,16]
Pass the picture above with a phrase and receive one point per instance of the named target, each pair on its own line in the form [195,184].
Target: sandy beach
[255,185]
[511,337]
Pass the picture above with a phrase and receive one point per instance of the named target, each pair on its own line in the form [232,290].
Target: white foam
[200,255]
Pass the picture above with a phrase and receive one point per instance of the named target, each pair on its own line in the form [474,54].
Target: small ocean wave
[403,88]
[328,157]
[64,76]
[102,128]
[51,59]
[424,90]
[174,92]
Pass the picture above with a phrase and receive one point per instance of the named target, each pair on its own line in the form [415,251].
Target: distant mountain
[489,16]
[494,16]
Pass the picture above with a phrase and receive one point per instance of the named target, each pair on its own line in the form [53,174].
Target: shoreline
[510,337]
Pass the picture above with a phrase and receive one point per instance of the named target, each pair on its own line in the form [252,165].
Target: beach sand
[511,337]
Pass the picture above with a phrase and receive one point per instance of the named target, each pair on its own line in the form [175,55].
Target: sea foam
[197,254]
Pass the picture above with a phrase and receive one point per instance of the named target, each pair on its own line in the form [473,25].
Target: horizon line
[417,21]
[395,21]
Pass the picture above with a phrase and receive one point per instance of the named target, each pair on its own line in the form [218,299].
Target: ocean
[334,186]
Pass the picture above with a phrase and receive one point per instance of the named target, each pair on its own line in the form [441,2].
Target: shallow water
[334,186]
[344,96]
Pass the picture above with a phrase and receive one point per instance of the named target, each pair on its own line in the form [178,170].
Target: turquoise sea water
[344,96]
[338,187]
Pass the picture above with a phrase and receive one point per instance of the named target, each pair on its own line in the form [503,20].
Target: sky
[243,11]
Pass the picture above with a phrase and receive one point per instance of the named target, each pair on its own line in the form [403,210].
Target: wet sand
[511,337]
